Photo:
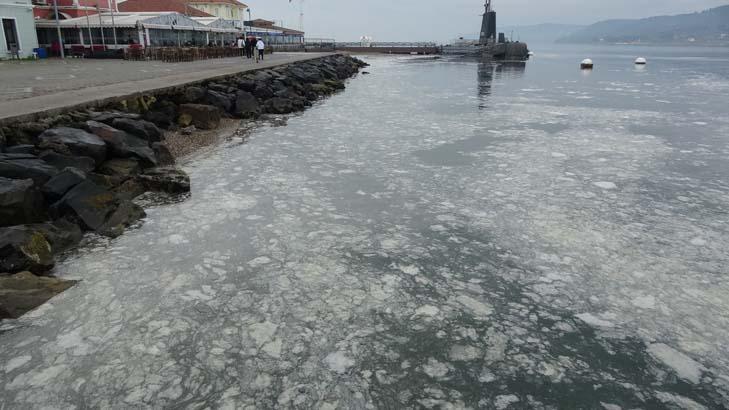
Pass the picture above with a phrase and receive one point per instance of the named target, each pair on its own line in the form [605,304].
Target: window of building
[11,34]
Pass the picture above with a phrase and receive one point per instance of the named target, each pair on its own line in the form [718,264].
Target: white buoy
[641,61]
[586,64]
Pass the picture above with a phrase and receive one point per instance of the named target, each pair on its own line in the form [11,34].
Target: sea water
[443,234]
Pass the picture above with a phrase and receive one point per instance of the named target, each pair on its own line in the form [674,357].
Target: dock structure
[390,48]
[89,83]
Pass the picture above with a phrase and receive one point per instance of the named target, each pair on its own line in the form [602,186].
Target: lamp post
[58,29]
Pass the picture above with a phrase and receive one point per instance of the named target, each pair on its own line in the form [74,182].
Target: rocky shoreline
[80,171]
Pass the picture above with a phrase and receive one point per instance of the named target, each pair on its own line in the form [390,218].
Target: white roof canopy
[165,20]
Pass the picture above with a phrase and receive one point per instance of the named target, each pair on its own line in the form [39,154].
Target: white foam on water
[339,362]
[684,366]
[593,320]
[605,185]
[435,369]
[16,363]
[427,310]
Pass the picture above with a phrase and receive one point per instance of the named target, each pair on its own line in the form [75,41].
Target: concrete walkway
[50,86]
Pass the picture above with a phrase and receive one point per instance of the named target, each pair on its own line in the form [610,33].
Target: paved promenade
[30,87]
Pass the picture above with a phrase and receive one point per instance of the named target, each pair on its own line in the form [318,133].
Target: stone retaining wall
[79,171]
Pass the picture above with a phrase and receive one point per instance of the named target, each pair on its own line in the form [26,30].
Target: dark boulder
[25,133]
[20,202]
[297,100]
[123,167]
[79,116]
[247,84]
[246,105]
[108,117]
[61,162]
[163,154]
[24,291]
[123,144]
[221,88]
[139,128]
[263,91]
[98,209]
[279,86]
[60,184]
[106,181]
[321,89]
[220,100]
[90,203]
[78,142]
[160,119]
[168,180]
[206,117]
[123,216]
[20,149]
[24,248]
[21,166]
[335,84]
[262,76]
[193,94]
[61,234]
[278,105]
[306,76]
[162,113]
[129,189]
[3,141]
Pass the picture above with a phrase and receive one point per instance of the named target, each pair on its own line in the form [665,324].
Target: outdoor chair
[14,51]
[78,51]
[135,52]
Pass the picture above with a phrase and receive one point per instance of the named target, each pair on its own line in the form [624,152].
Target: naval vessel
[489,45]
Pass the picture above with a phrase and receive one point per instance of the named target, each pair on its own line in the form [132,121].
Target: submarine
[489,45]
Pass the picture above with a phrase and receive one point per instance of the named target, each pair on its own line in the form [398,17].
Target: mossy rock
[24,291]
[24,248]
[184,120]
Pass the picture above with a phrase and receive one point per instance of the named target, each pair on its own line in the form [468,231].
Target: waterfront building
[167,29]
[229,10]
[18,37]
[277,37]
[222,14]
[94,24]
[225,9]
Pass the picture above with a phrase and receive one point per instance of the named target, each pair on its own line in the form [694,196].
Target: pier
[390,48]
[51,86]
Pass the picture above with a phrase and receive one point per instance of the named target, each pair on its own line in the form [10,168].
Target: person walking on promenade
[241,44]
[261,49]
[250,45]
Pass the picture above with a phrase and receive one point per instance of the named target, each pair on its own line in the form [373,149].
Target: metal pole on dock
[58,29]
[88,24]
[101,26]
[113,24]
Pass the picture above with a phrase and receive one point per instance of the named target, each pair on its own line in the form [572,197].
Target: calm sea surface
[443,234]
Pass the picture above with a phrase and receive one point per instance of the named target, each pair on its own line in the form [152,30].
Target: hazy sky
[430,20]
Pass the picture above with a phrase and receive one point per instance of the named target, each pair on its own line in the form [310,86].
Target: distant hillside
[540,33]
[708,27]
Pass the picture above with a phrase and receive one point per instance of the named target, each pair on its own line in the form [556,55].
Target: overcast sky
[430,20]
